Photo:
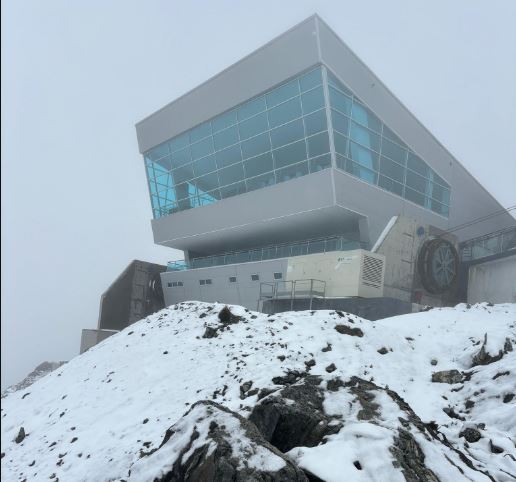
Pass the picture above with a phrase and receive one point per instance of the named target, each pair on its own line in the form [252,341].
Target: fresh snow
[91,419]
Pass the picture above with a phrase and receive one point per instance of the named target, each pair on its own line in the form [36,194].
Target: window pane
[361,172]
[228,156]
[253,126]
[416,182]
[393,151]
[340,122]
[320,163]
[315,122]
[341,143]
[364,156]
[158,152]
[332,80]
[391,185]
[225,138]
[208,182]
[287,133]
[179,142]
[231,174]
[282,93]
[364,116]
[340,101]
[258,165]
[223,121]
[365,137]
[233,190]
[341,162]
[182,174]
[291,172]
[256,145]
[417,164]
[289,154]
[440,180]
[311,79]
[204,165]
[439,208]
[414,196]
[390,135]
[440,193]
[200,132]
[285,112]
[318,144]
[165,163]
[312,100]
[261,181]
[202,148]
[251,108]
[391,169]
[181,157]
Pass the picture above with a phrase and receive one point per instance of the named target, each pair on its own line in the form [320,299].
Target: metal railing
[309,288]
[489,244]
[285,250]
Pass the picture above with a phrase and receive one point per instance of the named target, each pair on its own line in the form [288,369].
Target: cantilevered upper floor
[298,140]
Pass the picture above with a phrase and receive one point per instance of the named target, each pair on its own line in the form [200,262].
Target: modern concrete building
[299,149]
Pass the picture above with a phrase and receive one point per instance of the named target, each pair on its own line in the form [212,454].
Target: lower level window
[205,282]
[174,284]
[278,275]
[232,279]
[255,277]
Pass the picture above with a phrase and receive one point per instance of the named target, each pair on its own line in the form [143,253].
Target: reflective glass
[256,145]
[228,156]
[341,143]
[225,138]
[287,133]
[289,154]
[202,148]
[232,190]
[281,94]
[364,116]
[223,121]
[200,132]
[258,165]
[394,151]
[340,101]
[291,172]
[315,122]
[253,126]
[285,112]
[416,182]
[364,136]
[390,185]
[414,196]
[158,152]
[204,165]
[390,135]
[363,156]
[181,157]
[340,122]
[231,174]
[312,100]
[319,163]
[260,182]
[208,182]
[392,169]
[310,80]
[332,81]
[417,164]
[251,108]
[182,174]
[361,172]
[318,144]
[179,142]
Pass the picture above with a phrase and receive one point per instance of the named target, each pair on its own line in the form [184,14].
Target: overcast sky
[77,76]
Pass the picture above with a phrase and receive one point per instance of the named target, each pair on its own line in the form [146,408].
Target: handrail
[489,244]
[275,251]
[293,293]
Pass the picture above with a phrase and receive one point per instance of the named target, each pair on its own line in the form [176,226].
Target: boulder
[447,376]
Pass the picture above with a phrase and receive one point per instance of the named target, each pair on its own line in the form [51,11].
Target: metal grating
[372,271]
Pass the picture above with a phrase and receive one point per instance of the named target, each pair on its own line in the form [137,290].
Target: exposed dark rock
[433,362]
[331,368]
[471,435]
[21,436]
[281,357]
[485,358]
[452,413]
[310,363]
[327,348]
[334,384]
[494,448]
[215,459]
[508,397]
[347,330]
[300,421]
[290,378]
[383,351]
[501,374]
[447,376]
[228,318]
[210,332]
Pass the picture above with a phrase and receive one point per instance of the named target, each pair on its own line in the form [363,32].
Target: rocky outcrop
[212,443]
[447,376]
[483,357]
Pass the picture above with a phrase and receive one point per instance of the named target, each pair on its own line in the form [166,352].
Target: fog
[77,76]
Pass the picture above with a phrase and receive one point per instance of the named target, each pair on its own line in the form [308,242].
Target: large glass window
[275,137]
[281,135]
[365,147]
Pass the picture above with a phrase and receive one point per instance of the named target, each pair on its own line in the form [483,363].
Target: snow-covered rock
[40,371]
[125,409]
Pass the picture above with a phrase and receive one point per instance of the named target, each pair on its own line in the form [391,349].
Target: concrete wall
[90,338]
[244,292]
[493,281]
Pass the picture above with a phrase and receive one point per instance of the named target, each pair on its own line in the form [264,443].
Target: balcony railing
[489,244]
[287,250]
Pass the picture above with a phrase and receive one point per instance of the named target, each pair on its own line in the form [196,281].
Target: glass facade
[272,138]
[366,148]
[283,134]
